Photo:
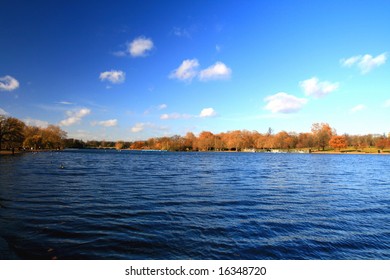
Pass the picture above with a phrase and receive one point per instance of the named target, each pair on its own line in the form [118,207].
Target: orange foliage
[338,142]
[322,134]
[383,143]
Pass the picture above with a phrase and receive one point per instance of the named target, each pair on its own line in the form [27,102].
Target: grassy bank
[9,152]
[352,150]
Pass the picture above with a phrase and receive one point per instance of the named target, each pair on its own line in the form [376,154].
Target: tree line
[15,134]
[321,137]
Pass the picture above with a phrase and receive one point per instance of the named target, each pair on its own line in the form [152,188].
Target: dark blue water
[161,205]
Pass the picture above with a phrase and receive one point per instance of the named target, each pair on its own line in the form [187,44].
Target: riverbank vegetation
[15,134]
[322,138]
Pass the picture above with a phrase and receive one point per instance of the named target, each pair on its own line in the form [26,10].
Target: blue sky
[127,70]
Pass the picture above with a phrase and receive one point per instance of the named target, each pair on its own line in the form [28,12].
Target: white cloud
[8,83]
[33,122]
[284,103]
[387,103]
[186,71]
[207,112]
[140,46]
[75,117]
[313,87]
[365,63]
[358,108]
[348,62]
[107,123]
[162,106]
[3,112]
[189,69]
[113,76]
[138,127]
[174,116]
[216,71]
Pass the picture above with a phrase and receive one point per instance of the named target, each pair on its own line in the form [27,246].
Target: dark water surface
[161,205]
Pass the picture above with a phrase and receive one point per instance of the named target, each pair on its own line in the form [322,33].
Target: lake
[98,204]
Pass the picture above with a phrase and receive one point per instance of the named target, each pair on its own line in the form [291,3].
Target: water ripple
[134,205]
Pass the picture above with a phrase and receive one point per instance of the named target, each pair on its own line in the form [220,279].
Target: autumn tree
[280,140]
[247,139]
[137,145]
[259,140]
[33,137]
[119,145]
[205,141]
[338,142]
[189,141]
[322,134]
[234,140]
[3,131]
[219,144]
[11,132]
[269,139]
[51,137]
[383,143]
[166,143]
[305,140]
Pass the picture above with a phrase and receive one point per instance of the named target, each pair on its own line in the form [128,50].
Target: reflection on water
[136,205]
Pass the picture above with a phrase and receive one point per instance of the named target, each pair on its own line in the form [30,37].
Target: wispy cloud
[313,87]
[65,103]
[83,135]
[140,46]
[357,108]
[386,104]
[107,123]
[75,116]
[207,113]
[138,127]
[113,76]
[365,63]
[155,108]
[181,32]
[284,103]
[217,71]
[162,106]
[349,62]
[186,71]
[8,83]
[174,116]
[149,129]
[34,122]
[3,112]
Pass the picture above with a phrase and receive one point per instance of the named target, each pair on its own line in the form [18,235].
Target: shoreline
[17,152]
[349,153]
